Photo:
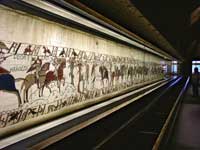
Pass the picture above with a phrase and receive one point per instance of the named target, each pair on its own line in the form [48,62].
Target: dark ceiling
[171,19]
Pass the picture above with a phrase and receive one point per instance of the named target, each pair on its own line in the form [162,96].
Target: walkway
[187,129]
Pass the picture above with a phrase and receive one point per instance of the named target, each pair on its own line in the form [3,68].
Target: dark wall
[186,67]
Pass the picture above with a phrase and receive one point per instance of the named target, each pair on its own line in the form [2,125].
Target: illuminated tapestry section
[46,67]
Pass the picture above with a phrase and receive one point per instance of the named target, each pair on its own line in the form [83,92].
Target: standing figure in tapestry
[72,61]
[130,73]
[104,74]
[80,77]
[93,74]
[111,82]
[87,73]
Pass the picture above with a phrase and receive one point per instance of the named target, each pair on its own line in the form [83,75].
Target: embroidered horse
[7,83]
[32,79]
[55,76]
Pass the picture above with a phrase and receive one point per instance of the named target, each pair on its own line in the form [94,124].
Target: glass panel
[195,63]
[174,68]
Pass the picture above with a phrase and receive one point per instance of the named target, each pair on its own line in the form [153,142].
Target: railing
[166,132]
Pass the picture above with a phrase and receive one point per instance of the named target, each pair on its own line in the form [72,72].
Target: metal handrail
[174,112]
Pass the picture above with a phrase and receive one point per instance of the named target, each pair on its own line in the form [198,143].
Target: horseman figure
[7,81]
[3,58]
[37,67]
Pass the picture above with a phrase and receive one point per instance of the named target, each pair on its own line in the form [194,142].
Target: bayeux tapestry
[40,79]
